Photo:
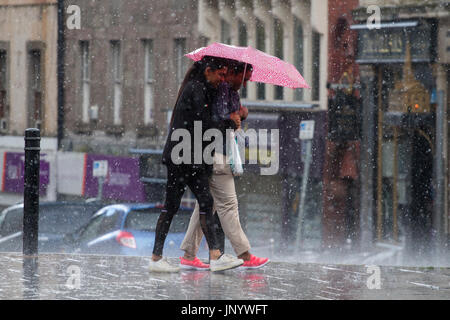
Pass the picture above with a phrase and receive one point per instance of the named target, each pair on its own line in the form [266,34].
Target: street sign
[306,129]
[100,168]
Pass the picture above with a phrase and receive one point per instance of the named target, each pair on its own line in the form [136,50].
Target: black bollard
[31,192]
[30,278]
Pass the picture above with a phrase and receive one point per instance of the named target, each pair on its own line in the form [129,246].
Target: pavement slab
[102,277]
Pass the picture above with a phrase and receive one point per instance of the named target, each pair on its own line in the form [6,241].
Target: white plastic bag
[234,156]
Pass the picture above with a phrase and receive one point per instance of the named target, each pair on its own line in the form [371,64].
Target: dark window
[316,66]
[85,80]
[243,42]
[278,41]
[225,33]
[298,54]
[35,88]
[260,45]
[3,83]
[179,59]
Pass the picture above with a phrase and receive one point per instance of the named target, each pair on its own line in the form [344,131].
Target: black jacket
[194,104]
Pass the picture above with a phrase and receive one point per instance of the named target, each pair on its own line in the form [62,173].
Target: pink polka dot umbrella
[266,68]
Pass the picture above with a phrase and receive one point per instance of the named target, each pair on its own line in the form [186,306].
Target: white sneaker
[162,265]
[225,262]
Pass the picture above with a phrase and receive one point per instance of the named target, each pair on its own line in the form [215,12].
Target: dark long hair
[238,66]
[197,71]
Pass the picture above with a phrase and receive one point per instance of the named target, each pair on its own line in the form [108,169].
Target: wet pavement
[60,276]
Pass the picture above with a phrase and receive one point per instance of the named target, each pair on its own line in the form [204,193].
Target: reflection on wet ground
[59,276]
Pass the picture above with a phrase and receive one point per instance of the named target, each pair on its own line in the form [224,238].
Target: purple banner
[122,181]
[13,173]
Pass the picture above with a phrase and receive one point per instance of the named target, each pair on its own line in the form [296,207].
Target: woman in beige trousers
[221,184]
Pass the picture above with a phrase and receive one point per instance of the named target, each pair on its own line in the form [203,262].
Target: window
[85,80]
[149,82]
[298,54]
[316,66]
[204,41]
[3,83]
[117,81]
[35,88]
[180,65]
[225,34]
[260,45]
[243,40]
[278,52]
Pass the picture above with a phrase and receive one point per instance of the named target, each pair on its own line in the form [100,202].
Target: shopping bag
[234,156]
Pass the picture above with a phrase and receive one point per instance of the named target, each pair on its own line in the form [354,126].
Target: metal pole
[30,278]
[380,160]
[101,181]
[439,173]
[368,118]
[395,190]
[301,208]
[31,192]
[60,72]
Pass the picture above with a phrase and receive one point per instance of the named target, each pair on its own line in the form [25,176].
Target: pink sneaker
[255,262]
[195,264]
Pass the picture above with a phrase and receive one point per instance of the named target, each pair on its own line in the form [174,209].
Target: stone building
[123,69]
[340,219]
[28,83]
[404,74]
[124,66]
[28,86]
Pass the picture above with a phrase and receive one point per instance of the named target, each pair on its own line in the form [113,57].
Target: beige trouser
[222,189]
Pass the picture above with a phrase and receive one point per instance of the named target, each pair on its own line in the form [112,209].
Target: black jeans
[178,178]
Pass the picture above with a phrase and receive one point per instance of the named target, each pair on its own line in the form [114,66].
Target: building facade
[341,179]
[124,65]
[403,66]
[123,69]
[28,87]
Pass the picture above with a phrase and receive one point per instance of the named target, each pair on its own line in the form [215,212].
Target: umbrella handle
[243,76]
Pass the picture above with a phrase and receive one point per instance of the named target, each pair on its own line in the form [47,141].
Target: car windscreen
[12,222]
[145,220]
[53,219]
[64,219]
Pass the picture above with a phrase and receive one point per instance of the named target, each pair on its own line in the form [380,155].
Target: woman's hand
[236,117]
[243,112]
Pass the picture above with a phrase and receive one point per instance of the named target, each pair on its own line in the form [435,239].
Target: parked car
[129,229]
[56,219]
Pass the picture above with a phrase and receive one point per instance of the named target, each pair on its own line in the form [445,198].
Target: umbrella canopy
[266,68]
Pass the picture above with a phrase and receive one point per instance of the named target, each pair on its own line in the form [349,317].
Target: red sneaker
[255,262]
[195,264]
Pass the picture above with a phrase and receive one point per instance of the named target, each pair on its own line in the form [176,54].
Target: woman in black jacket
[193,104]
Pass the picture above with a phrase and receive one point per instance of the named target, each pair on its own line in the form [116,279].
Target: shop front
[272,211]
[398,151]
